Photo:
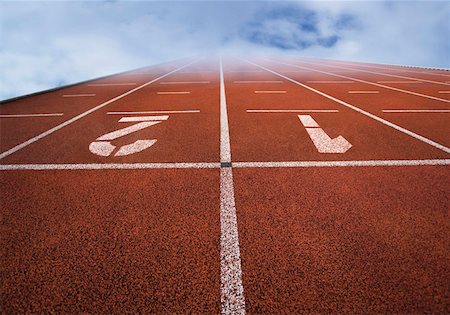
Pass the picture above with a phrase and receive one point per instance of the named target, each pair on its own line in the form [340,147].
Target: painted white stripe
[232,290]
[144,118]
[243,71]
[78,95]
[30,115]
[68,122]
[171,93]
[292,111]
[400,82]
[364,81]
[185,82]
[125,166]
[156,112]
[416,110]
[244,82]
[331,81]
[342,163]
[444,92]
[308,121]
[126,131]
[363,92]
[110,84]
[383,121]
[270,92]
[138,166]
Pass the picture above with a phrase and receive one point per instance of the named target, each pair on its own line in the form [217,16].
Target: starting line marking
[185,82]
[416,110]
[170,93]
[292,111]
[270,92]
[156,112]
[78,95]
[363,92]
[331,81]
[258,82]
[30,115]
[401,82]
[143,118]
[203,165]
[110,84]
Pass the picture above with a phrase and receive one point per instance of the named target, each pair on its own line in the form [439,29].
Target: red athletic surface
[312,240]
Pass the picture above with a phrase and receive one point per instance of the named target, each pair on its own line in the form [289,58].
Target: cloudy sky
[45,44]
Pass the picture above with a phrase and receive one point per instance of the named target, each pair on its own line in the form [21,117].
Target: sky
[45,44]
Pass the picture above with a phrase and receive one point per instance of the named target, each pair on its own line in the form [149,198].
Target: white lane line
[383,121]
[342,163]
[363,92]
[400,82]
[78,95]
[332,81]
[143,118]
[363,81]
[416,110]
[244,71]
[232,290]
[308,121]
[292,111]
[444,92]
[156,112]
[244,82]
[201,165]
[110,84]
[270,92]
[184,82]
[173,93]
[106,166]
[68,122]
[30,115]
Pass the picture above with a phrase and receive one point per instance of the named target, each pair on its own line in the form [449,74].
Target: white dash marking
[400,82]
[78,95]
[30,115]
[106,166]
[332,81]
[156,112]
[270,92]
[292,111]
[173,93]
[143,118]
[444,92]
[110,84]
[416,110]
[184,82]
[363,92]
[244,82]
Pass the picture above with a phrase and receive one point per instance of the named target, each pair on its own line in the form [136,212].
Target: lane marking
[232,290]
[331,82]
[243,82]
[363,81]
[244,71]
[308,121]
[110,84]
[444,92]
[209,165]
[184,82]
[156,112]
[78,95]
[401,82]
[143,118]
[270,92]
[292,111]
[383,121]
[127,130]
[171,93]
[363,92]
[416,110]
[30,115]
[68,122]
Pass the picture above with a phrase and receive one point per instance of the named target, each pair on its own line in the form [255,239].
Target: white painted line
[78,95]
[343,163]
[68,122]
[244,82]
[331,82]
[364,81]
[383,121]
[308,121]
[363,92]
[172,93]
[143,118]
[244,71]
[292,111]
[127,130]
[156,112]
[270,92]
[400,82]
[125,166]
[232,290]
[184,82]
[444,92]
[110,84]
[30,115]
[416,110]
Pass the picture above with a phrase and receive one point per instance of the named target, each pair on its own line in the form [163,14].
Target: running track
[271,185]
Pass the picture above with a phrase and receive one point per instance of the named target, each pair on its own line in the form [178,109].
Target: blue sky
[47,44]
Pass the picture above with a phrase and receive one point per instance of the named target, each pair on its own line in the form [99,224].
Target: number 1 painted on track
[102,145]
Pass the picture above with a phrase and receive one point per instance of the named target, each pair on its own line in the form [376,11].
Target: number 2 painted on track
[102,145]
